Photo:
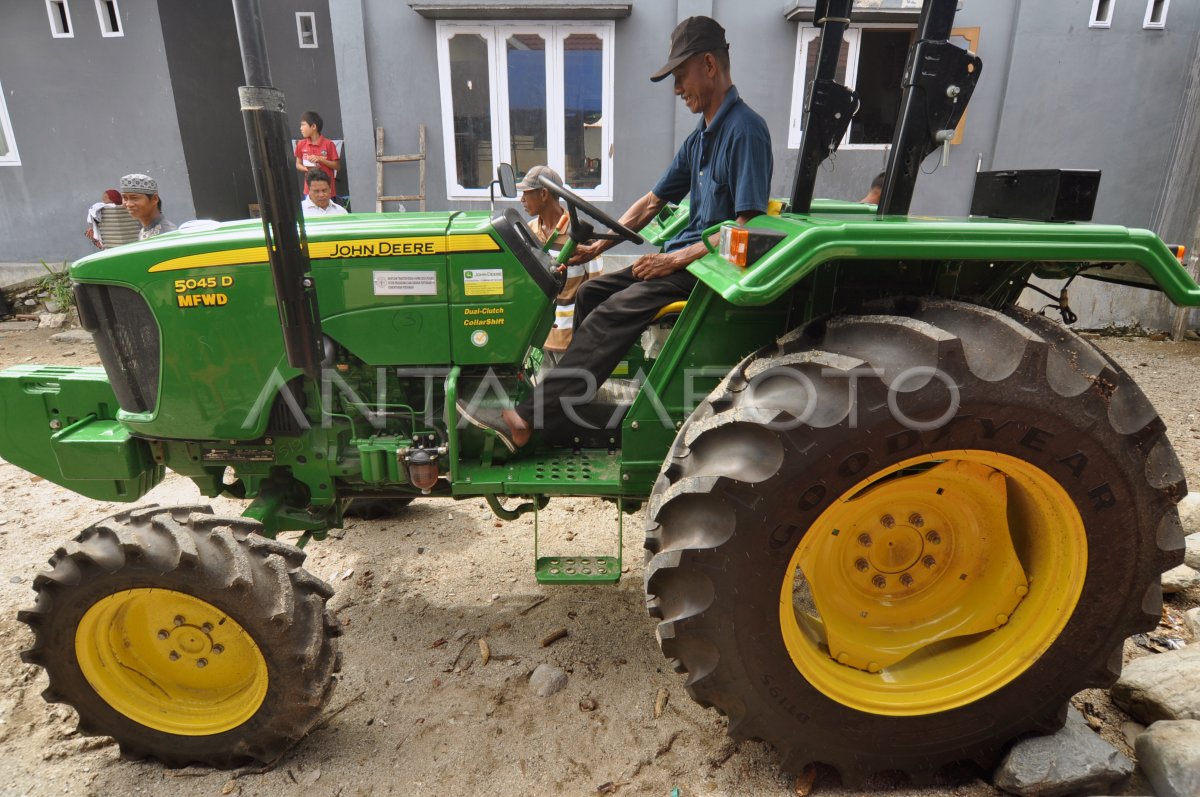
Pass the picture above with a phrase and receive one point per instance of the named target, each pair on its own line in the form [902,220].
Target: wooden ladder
[382,160]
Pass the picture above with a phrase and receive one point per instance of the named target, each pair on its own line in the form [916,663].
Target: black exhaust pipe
[940,78]
[265,117]
[830,105]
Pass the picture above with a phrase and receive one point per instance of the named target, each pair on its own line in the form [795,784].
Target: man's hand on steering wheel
[585,253]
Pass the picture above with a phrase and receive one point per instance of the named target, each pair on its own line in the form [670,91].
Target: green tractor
[893,521]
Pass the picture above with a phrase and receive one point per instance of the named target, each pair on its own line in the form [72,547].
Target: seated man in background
[139,194]
[550,218]
[319,201]
[875,192]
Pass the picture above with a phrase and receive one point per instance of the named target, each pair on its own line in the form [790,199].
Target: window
[1101,14]
[527,94]
[872,62]
[1156,14]
[306,28]
[8,147]
[60,19]
[110,18]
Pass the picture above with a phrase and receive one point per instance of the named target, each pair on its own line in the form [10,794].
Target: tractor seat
[674,308]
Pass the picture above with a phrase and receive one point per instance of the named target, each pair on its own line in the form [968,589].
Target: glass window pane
[881,59]
[583,82]
[527,101]
[470,91]
[810,70]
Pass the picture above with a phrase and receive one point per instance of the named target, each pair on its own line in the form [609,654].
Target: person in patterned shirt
[549,218]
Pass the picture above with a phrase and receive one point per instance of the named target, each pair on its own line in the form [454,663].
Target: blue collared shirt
[725,166]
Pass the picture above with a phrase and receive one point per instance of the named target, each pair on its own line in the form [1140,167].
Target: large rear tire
[187,638]
[897,541]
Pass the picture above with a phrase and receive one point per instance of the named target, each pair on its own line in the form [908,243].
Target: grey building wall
[161,99]
[308,77]
[206,71]
[84,111]
[1081,97]
[1053,93]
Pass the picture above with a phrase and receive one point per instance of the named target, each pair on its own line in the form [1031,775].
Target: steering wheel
[581,230]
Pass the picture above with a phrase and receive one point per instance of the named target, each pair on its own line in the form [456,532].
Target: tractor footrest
[577,570]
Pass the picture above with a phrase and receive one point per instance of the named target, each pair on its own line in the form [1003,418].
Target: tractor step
[577,569]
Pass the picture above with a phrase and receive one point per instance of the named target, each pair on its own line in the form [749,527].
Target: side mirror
[507,180]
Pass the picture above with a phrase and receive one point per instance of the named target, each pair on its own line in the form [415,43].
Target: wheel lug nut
[861,564]
[173,656]
[201,663]
[915,519]
[934,537]
[929,561]
[873,666]
[864,540]
[887,521]
[162,634]
[206,628]
[879,581]
[1022,590]
[906,580]
[218,649]
[1001,619]
[843,658]
[179,619]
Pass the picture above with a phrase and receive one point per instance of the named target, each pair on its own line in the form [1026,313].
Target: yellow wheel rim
[171,662]
[933,583]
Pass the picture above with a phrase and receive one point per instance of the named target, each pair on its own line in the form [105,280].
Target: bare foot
[517,427]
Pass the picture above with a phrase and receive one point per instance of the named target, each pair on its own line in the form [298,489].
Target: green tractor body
[883,502]
[417,308]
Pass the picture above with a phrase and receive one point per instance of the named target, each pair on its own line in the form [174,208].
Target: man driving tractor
[725,166]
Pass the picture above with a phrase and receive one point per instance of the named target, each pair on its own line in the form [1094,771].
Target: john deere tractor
[893,520]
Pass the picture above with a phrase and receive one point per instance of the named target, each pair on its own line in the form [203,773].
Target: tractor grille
[127,339]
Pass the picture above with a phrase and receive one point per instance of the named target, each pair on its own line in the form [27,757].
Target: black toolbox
[1036,194]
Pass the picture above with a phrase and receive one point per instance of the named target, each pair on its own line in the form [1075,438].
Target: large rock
[547,680]
[1189,513]
[1191,556]
[1072,760]
[73,336]
[1192,619]
[1178,579]
[1164,686]
[1169,754]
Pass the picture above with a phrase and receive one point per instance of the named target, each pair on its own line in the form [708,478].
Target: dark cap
[693,35]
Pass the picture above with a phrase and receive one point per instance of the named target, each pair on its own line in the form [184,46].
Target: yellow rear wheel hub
[171,662]
[933,583]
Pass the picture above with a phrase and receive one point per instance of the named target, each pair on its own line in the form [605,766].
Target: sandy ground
[417,712]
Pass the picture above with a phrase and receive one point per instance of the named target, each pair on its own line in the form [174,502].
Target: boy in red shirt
[314,151]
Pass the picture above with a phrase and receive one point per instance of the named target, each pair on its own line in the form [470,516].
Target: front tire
[895,542]
[187,638]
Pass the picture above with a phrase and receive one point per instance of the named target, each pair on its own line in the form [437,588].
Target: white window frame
[1094,21]
[13,158]
[555,34]
[1148,23]
[312,21]
[53,17]
[102,15]
[853,39]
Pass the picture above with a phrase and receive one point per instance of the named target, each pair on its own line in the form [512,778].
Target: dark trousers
[610,313]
